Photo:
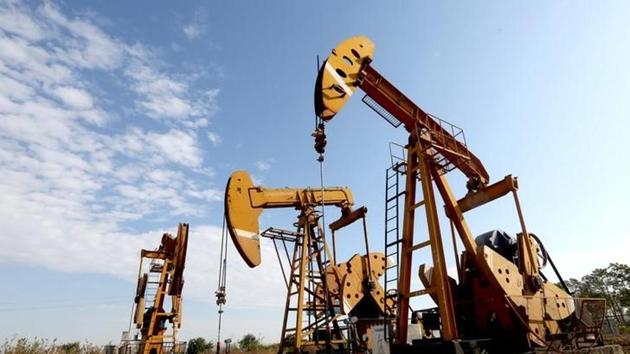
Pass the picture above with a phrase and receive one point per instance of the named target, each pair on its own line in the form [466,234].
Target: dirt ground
[623,340]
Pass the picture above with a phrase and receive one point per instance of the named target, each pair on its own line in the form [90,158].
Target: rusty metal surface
[405,110]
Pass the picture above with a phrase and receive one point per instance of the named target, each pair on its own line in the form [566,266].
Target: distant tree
[71,348]
[611,283]
[249,343]
[198,346]
[573,285]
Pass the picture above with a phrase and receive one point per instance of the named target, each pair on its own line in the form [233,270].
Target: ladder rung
[420,292]
[392,218]
[392,267]
[392,202]
[396,196]
[418,204]
[391,280]
[421,245]
[393,243]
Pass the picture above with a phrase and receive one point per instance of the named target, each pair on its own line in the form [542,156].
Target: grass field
[43,346]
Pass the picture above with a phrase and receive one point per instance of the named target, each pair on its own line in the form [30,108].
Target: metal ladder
[154,284]
[393,193]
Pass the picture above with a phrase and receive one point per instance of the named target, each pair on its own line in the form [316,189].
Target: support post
[455,214]
[292,266]
[439,281]
[303,264]
[528,264]
[404,280]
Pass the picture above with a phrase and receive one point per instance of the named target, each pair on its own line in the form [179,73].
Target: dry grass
[44,346]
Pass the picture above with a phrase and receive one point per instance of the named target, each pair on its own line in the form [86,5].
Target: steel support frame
[156,341]
[306,242]
[419,163]
[406,256]
[303,251]
[292,265]
[440,274]
[308,248]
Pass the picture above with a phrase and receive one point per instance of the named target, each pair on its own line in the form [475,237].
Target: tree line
[611,283]
[249,343]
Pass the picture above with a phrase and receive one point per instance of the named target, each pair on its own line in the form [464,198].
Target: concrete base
[606,349]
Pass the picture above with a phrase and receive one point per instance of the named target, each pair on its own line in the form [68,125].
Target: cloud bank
[100,148]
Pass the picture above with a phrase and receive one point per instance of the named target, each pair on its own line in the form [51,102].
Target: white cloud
[214,138]
[45,47]
[264,165]
[85,44]
[193,30]
[161,95]
[74,97]
[213,93]
[164,96]
[21,24]
[177,146]
[197,123]
[86,185]
[196,27]
[73,172]
[15,90]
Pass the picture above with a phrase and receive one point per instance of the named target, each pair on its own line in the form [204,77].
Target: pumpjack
[162,278]
[500,301]
[330,306]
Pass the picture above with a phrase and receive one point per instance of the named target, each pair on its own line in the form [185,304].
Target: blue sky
[118,120]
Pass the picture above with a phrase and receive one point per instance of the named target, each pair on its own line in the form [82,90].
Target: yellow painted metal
[440,283]
[538,311]
[528,262]
[303,264]
[338,76]
[169,261]
[348,285]
[242,218]
[153,336]
[406,256]
[488,193]
[244,203]
[514,296]
[454,212]
[347,280]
